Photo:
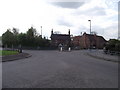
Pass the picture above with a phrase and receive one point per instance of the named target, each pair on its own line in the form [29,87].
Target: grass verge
[5,52]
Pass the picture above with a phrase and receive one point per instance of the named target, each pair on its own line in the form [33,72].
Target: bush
[113,45]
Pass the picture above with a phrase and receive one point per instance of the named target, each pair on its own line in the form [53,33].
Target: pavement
[15,57]
[54,69]
[99,54]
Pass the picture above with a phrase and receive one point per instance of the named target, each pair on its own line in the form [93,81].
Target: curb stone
[98,57]
[15,57]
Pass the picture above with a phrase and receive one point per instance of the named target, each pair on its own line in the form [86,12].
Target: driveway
[54,69]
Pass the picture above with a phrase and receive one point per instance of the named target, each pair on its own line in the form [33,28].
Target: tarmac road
[54,69]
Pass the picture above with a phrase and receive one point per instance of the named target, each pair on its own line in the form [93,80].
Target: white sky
[61,16]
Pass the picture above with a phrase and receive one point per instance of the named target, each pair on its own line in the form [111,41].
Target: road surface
[54,69]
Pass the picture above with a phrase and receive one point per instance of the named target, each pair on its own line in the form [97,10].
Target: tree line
[12,38]
[113,45]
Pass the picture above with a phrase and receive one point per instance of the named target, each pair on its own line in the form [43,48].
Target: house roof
[60,36]
[92,37]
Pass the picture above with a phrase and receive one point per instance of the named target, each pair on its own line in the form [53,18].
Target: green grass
[5,52]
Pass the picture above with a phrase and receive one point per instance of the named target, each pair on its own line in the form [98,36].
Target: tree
[8,38]
[31,32]
[15,31]
[113,45]
[0,41]
[22,39]
[28,39]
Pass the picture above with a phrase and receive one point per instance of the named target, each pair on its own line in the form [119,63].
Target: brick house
[63,39]
[88,40]
[76,42]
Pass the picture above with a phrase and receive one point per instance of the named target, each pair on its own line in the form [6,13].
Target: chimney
[84,33]
[69,32]
[52,32]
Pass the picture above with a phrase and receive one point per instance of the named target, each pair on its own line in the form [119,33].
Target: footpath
[99,54]
[15,57]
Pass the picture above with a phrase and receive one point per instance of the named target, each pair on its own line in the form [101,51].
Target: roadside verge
[102,56]
[15,57]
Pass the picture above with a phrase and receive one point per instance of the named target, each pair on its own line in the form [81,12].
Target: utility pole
[41,31]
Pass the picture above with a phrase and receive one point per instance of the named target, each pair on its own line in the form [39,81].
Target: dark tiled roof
[101,38]
[60,36]
[92,37]
[76,37]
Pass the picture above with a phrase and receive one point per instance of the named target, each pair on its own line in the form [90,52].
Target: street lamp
[41,31]
[90,25]
[90,33]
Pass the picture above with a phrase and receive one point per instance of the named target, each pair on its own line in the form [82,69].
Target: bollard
[69,49]
[61,49]
[20,50]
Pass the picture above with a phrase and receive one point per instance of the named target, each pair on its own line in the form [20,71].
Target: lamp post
[90,25]
[41,31]
[90,33]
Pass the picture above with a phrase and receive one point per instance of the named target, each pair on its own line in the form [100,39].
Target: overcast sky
[61,16]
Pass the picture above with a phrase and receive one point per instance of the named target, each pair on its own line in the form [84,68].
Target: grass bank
[5,52]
